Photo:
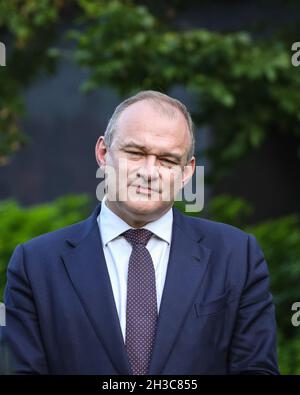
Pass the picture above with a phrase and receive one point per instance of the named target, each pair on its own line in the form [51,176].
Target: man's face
[148,153]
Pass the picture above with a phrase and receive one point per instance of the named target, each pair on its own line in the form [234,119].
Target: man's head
[149,142]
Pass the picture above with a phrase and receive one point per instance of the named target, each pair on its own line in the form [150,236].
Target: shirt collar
[112,226]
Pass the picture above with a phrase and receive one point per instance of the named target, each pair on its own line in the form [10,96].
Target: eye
[134,153]
[168,161]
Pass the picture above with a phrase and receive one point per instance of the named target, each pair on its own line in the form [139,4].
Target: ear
[100,151]
[188,171]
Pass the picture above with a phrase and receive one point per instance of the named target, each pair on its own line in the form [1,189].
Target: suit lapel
[86,266]
[187,265]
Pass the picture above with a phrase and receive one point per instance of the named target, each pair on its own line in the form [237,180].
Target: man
[138,287]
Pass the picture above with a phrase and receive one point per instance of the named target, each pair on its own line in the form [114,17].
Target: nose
[149,170]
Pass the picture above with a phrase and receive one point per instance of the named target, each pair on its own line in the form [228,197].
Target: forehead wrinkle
[132,124]
[132,143]
[150,130]
[142,147]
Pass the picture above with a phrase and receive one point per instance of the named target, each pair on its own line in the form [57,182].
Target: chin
[145,208]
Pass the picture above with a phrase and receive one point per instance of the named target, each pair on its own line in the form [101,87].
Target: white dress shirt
[117,251]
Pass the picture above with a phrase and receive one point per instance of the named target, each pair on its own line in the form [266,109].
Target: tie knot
[138,236]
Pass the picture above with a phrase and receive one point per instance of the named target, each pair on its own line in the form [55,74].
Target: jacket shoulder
[56,238]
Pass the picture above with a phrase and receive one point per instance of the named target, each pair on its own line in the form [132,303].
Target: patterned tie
[141,311]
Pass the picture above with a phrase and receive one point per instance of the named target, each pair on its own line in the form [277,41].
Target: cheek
[112,163]
[168,185]
[171,177]
[131,172]
[122,167]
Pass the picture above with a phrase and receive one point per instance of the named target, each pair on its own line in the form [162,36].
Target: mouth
[144,190]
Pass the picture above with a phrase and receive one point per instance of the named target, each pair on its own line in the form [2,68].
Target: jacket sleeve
[253,345]
[21,335]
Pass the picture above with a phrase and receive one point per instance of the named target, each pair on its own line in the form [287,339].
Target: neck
[132,219]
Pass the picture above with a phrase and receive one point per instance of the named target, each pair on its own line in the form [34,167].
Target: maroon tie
[141,311]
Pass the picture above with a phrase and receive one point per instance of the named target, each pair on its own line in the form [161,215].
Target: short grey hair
[159,99]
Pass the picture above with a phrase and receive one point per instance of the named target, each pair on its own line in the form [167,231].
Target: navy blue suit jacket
[216,314]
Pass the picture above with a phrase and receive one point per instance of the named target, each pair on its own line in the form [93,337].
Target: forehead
[154,126]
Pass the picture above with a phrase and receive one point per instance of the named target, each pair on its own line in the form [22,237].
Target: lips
[140,189]
[144,189]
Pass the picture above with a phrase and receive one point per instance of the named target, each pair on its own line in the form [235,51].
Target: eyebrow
[132,144]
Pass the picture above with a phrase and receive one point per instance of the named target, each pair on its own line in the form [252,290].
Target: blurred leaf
[20,224]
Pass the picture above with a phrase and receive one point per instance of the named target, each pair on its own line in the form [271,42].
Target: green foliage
[280,241]
[20,224]
[289,354]
[238,82]
[22,18]
[29,31]
[224,208]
